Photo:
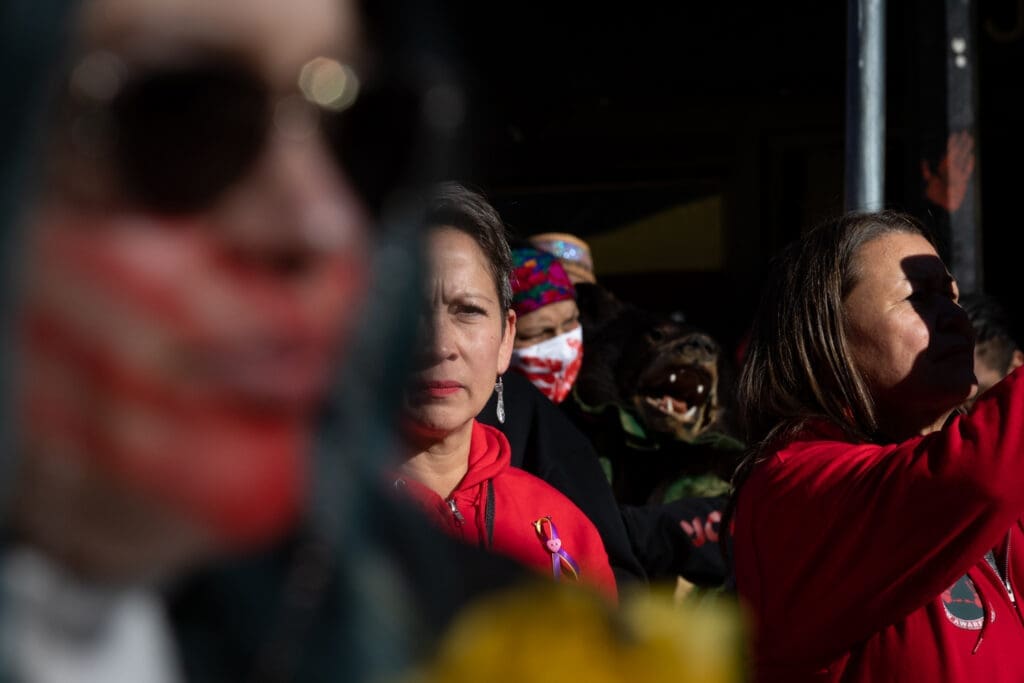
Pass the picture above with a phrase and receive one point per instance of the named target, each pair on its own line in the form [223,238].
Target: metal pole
[965,219]
[865,104]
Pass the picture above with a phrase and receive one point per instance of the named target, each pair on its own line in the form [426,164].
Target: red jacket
[863,562]
[519,500]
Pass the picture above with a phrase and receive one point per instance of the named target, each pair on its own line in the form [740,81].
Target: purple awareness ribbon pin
[548,535]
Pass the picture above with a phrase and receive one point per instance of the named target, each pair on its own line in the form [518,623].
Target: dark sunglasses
[179,135]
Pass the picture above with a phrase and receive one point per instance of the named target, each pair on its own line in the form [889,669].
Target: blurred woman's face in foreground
[908,336]
[186,294]
[466,346]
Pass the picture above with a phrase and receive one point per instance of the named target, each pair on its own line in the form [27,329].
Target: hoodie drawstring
[988,614]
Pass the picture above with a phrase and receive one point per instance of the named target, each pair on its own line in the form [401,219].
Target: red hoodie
[863,562]
[519,500]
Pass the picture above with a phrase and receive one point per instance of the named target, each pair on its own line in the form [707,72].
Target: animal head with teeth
[671,378]
[671,374]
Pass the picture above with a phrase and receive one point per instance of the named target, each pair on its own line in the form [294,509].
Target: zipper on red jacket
[1007,586]
[459,519]
[1006,572]
[1004,576]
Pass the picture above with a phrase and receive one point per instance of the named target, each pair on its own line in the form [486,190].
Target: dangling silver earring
[500,388]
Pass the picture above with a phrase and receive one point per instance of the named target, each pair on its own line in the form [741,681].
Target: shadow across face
[944,366]
[908,336]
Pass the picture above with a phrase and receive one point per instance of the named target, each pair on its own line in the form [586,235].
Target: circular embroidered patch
[963,605]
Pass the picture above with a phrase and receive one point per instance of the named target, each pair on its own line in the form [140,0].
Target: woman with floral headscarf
[548,347]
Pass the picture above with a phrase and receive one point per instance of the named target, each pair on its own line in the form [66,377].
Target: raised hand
[946,186]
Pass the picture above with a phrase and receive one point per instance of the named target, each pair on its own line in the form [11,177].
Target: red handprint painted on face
[552,366]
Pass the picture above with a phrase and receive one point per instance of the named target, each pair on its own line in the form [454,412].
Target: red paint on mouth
[439,389]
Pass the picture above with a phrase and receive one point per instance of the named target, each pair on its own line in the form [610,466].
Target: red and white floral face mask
[154,355]
[553,364]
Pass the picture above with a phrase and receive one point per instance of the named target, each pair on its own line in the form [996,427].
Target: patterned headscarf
[538,279]
[573,252]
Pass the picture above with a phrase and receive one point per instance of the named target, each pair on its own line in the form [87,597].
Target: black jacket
[679,538]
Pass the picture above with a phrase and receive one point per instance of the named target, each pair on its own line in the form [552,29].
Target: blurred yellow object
[564,633]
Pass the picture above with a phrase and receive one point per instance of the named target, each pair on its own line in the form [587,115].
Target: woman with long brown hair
[877,530]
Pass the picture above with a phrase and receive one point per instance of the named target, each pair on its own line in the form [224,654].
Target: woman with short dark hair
[458,469]
[548,348]
[877,530]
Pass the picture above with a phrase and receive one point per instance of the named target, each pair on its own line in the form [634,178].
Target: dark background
[583,118]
